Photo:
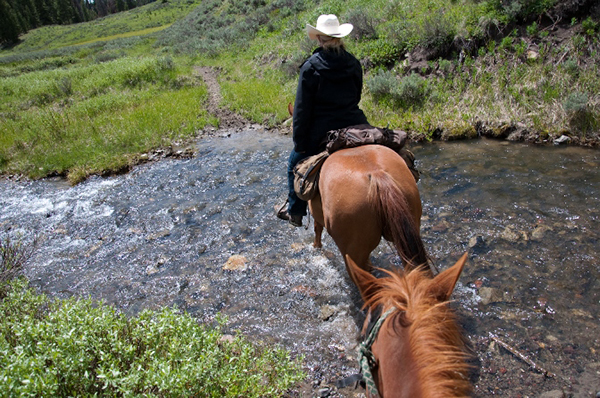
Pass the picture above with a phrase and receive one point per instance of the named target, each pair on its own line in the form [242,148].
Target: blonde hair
[333,44]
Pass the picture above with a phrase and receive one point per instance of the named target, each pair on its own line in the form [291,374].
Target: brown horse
[365,193]
[416,348]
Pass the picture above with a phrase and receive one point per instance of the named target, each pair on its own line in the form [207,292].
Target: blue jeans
[296,206]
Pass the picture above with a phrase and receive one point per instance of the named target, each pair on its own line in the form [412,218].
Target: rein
[366,359]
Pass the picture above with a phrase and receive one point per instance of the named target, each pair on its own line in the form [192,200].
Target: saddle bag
[306,175]
[364,134]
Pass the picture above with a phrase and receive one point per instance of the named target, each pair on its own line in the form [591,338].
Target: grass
[88,98]
[95,118]
[154,16]
[136,33]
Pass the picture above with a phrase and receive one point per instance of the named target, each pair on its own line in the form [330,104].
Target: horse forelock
[436,341]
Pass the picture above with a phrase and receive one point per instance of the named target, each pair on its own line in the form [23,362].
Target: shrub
[409,91]
[571,67]
[14,253]
[381,53]
[437,33]
[582,118]
[291,66]
[106,56]
[412,91]
[364,24]
[576,102]
[589,27]
[64,86]
[76,347]
[382,85]
[533,29]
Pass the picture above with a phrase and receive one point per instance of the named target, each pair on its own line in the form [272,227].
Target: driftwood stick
[522,356]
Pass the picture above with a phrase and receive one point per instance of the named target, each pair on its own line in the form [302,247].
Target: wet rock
[551,338]
[563,139]
[236,263]
[324,392]
[490,295]
[552,394]
[476,241]
[327,311]
[159,234]
[581,313]
[305,291]
[441,227]
[512,235]
[152,269]
[539,232]
[93,249]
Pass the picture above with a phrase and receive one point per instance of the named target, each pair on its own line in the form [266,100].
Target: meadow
[90,98]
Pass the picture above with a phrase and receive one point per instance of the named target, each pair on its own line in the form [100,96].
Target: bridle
[366,359]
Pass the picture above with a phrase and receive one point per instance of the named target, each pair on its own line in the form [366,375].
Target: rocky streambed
[200,233]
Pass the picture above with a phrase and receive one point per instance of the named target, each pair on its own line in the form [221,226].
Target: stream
[201,234]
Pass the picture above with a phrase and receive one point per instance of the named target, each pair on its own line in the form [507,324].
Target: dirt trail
[228,120]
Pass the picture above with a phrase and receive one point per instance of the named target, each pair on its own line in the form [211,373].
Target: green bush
[437,32]
[382,85]
[410,91]
[364,24]
[582,118]
[380,52]
[76,347]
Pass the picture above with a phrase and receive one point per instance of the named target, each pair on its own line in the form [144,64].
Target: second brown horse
[366,193]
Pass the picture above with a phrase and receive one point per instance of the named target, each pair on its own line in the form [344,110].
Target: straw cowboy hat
[328,25]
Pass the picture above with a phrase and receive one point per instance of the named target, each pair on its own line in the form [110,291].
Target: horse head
[414,346]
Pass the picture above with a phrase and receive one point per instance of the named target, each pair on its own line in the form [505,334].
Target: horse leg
[318,234]
[316,208]
[357,244]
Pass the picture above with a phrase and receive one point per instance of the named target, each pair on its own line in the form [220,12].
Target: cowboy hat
[328,25]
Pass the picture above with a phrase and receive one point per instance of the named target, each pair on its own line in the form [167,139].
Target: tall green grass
[92,119]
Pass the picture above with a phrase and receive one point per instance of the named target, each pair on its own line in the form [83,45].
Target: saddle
[306,172]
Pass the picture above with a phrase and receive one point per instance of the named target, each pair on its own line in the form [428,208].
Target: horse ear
[443,284]
[363,279]
[291,109]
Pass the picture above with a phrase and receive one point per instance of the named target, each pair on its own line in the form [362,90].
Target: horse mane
[437,342]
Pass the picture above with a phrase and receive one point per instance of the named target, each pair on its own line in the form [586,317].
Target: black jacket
[329,90]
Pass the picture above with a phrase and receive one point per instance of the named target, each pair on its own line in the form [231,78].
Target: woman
[327,97]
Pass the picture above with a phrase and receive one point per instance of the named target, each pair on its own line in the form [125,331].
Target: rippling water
[161,235]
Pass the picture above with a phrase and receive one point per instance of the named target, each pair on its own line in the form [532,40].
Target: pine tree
[9,23]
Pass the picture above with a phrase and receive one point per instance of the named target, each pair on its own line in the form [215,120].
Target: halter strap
[366,359]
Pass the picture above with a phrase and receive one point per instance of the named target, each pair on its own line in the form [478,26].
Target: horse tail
[398,225]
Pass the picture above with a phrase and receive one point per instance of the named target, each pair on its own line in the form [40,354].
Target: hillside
[516,69]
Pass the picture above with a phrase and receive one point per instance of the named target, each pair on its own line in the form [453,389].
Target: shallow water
[161,235]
